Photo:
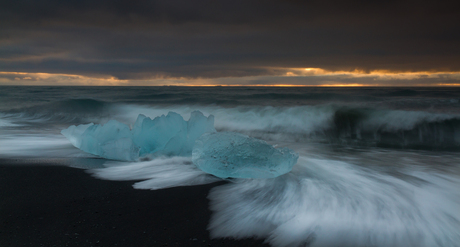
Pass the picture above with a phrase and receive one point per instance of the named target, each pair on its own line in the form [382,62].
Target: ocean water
[377,166]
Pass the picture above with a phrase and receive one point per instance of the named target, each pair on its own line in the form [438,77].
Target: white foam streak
[159,173]
[6,123]
[16,145]
[401,120]
[333,203]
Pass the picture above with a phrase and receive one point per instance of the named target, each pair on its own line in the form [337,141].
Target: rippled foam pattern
[333,203]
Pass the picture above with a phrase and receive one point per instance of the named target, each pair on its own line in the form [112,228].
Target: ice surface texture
[229,154]
[225,154]
[165,135]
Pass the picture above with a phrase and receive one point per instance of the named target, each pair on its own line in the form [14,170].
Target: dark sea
[376,167]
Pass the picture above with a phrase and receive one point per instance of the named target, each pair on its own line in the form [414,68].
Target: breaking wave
[350,125]
[332,124]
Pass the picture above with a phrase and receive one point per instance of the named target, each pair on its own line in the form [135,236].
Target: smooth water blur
[334,203]
[377,166]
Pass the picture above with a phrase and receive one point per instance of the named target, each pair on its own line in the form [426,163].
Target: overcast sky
[202,42]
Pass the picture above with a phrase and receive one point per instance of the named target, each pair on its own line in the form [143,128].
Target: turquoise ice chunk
[234,155]
[164,135]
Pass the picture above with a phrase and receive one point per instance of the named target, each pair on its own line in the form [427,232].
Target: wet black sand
[61,206]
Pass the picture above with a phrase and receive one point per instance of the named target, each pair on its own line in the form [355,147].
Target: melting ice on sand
[224,155]
[228,154]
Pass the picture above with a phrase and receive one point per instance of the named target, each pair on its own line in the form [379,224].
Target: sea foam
[333,203]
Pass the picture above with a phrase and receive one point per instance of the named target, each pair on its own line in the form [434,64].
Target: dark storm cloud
[211,39]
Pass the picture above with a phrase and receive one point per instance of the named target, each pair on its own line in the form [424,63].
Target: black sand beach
[376,166]
[59,206]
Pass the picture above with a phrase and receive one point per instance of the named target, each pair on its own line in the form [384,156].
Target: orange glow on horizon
[381,78]
[280,85]
[448,84]
[382,74]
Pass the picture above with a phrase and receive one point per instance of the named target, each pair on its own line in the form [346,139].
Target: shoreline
[49,205]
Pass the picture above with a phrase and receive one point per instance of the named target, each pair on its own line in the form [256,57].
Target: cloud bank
[150,41]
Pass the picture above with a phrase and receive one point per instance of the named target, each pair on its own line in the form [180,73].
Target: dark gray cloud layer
[211,39]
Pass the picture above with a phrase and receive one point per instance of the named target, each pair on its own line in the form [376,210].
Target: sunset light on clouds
[229,43]
[291,78]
